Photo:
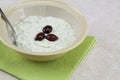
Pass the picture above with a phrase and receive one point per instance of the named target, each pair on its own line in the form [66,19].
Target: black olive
[47,29]
[40,36]
[51,37]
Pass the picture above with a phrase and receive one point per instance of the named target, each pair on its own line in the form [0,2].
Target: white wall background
[103,17]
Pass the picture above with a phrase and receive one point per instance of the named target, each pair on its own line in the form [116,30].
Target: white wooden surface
[103,16]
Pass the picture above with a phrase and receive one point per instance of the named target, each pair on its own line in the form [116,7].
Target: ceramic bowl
[45,8]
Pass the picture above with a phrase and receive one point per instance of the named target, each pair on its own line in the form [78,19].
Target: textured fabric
[60,69]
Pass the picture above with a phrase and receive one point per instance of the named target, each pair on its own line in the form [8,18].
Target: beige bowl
[45,8]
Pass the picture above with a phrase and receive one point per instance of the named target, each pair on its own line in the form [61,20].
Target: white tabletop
[103,16]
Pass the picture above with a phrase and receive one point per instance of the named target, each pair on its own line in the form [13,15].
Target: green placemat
[60,69]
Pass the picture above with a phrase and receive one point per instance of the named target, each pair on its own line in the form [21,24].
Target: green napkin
[60,69]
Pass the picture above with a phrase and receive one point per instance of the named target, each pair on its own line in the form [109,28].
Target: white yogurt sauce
[29,27]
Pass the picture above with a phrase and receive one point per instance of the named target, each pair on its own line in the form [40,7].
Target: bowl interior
[46,8]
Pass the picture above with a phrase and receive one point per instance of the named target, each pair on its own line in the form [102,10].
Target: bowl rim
[74,10]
